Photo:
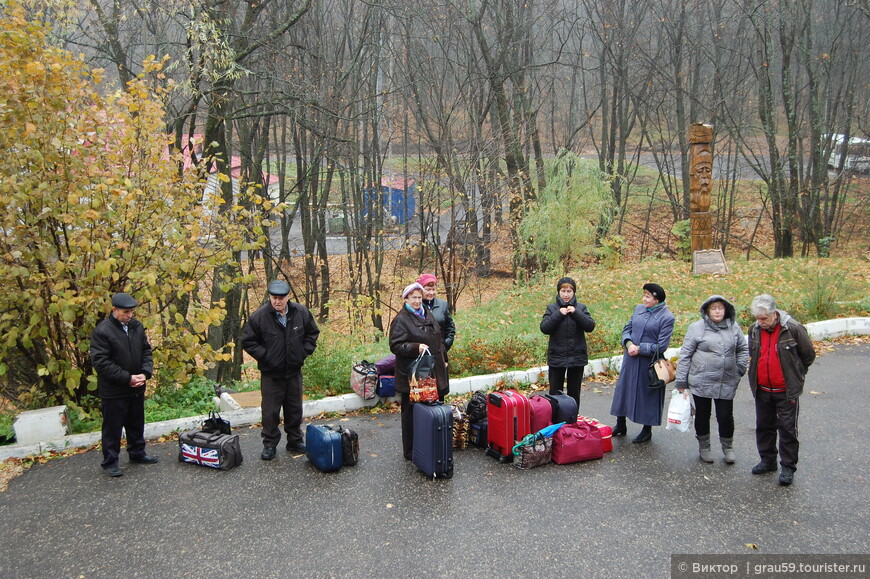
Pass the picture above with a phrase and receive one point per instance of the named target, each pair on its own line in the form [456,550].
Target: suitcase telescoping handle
[495,398]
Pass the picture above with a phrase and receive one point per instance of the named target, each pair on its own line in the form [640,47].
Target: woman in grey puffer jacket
[713,358]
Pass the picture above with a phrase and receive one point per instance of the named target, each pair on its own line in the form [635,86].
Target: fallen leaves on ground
[829,345]
[9,470]
[12,467]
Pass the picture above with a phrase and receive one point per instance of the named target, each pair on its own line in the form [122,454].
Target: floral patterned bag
[424,387]
[533,450]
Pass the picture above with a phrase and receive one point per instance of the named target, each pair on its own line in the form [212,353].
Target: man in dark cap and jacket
[121,356]
[279,336]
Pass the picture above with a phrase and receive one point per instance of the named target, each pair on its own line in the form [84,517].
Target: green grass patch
[327,371]
[180,400]
[811,290]
[7,432]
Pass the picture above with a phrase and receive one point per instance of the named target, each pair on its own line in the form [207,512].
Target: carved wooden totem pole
[700,185]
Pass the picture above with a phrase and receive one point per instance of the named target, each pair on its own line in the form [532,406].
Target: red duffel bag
[576,443]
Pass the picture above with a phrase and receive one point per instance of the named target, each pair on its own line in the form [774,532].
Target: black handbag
[349,446]
[655,383]
[214,423]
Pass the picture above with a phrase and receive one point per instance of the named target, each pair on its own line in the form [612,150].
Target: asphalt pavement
[624,515]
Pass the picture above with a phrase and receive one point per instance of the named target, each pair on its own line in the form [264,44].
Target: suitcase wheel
[499,456]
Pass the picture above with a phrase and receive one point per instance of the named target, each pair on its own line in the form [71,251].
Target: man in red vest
[781,352]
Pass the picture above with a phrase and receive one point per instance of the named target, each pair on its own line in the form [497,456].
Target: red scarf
[770,376]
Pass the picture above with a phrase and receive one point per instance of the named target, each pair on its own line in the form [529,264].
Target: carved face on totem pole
[701,178]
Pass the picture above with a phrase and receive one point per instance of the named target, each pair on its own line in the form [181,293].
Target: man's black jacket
[116,356]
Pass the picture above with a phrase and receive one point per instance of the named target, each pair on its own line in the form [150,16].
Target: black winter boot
[644,436]
[620,429]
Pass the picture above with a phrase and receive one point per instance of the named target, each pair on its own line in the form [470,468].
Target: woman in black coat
[566,321]
[413,330]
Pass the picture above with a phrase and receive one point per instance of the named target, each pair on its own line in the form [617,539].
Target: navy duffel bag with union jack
[211,449]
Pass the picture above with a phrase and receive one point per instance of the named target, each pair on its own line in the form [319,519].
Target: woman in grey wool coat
[713,358]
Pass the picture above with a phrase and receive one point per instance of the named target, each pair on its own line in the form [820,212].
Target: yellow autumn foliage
[94,204]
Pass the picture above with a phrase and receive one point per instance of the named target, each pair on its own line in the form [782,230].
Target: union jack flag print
[198,455]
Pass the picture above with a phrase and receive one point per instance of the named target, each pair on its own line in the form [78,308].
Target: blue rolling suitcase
[323,447]
[433,439]
[564,407]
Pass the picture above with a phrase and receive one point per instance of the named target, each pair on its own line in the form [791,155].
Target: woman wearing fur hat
[713,358]
[566,321]
[412,332]
[647,334]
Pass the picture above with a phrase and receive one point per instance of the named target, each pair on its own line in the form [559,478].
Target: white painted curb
[348,402]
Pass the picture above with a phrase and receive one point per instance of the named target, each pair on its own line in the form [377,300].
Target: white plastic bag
[680,411]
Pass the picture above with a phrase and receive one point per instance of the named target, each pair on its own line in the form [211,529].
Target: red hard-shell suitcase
[540,413]
[524,416]
[508,422]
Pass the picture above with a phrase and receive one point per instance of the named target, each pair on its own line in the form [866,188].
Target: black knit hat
[656,290]
[568,281]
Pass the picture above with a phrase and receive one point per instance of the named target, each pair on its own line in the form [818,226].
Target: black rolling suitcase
[564,407]
[433,439]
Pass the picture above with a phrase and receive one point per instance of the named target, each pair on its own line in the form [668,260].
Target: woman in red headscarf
[439,308]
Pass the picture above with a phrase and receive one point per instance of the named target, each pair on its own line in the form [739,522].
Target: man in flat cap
[279,336]
[121,356]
